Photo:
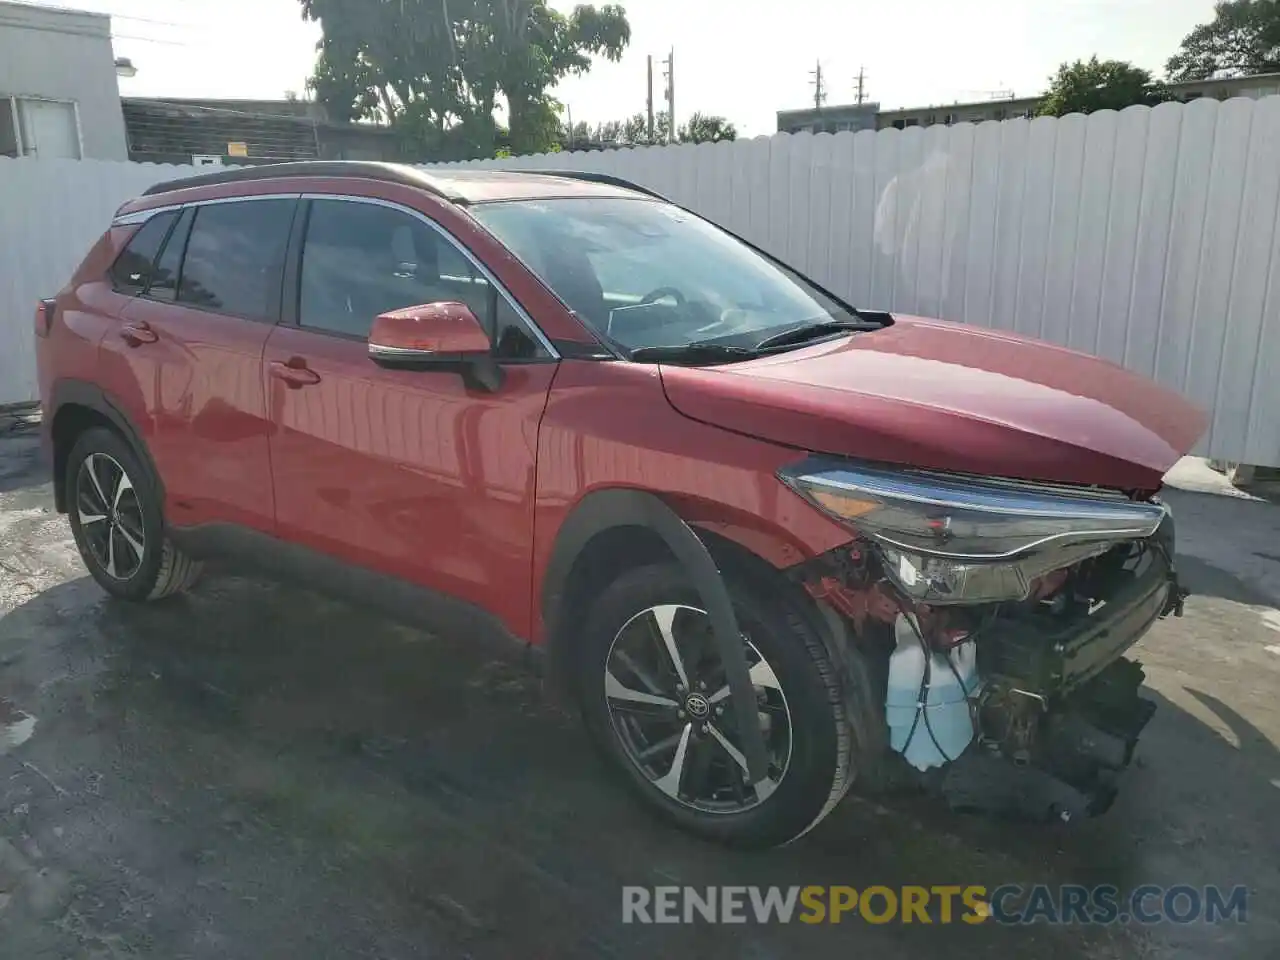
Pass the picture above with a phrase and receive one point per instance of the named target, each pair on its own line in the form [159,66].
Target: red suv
[771,544]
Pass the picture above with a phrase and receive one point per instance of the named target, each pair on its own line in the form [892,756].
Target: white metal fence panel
[1147,237]
[51,212]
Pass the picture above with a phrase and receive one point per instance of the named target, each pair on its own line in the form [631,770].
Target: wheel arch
[586,549]
[78,406]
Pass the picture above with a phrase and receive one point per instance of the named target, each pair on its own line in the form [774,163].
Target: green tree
[1086,86]
[439,69]
[635,129]
[1243,38]
[704,128]
[609,132]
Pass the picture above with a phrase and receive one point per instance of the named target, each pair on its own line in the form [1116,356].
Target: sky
[742,59]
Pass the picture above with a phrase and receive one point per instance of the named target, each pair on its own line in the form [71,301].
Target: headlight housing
[945,538]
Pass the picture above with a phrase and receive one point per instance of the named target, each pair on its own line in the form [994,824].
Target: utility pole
[671,96]
[819,89]
[570,109]
[649,99]
[862,93]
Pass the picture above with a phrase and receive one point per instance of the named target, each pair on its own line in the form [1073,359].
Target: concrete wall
[1148,237]
[65,55]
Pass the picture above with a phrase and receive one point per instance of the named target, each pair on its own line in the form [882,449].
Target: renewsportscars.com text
[1007,904]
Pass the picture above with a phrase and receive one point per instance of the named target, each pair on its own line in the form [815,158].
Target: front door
[411,473]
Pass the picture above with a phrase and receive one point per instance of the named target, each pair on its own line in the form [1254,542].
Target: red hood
[947,396]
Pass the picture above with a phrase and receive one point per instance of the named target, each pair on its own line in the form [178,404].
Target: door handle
[136,333]
[295,373]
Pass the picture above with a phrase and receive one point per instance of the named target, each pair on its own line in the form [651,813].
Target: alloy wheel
[110,516]
[669,703]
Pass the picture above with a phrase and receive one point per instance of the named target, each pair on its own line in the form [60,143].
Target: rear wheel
[655,699]
[114,508]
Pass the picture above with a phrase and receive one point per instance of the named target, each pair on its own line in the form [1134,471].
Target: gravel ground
[256,771]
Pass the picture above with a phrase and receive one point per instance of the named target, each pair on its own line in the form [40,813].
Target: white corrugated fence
[1147,237]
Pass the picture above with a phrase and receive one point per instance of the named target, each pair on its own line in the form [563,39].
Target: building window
[899,124]
[911,122]
[32,127]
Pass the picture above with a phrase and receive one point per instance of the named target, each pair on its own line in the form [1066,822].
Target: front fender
[605,509]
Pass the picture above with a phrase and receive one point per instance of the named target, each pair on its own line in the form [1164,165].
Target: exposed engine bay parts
[1002,611]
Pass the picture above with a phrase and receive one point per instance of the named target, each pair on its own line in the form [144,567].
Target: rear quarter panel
[87,308]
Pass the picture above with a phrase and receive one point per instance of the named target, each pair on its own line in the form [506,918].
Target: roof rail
[592,177]
[390,172]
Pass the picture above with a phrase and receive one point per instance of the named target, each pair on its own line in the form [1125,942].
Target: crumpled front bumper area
[1083,744]
[1080,707]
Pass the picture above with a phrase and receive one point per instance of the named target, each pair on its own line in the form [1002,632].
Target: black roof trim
[607,179]
[368,170]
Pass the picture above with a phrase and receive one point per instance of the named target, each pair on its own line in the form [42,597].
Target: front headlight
[951,539]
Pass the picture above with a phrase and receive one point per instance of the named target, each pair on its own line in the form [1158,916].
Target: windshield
[647,274]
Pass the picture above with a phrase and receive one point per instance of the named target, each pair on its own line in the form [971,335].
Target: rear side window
[164,278]
[235,258]
[132,269]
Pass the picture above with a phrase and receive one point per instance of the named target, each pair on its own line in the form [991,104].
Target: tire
[117,524]
[799,689]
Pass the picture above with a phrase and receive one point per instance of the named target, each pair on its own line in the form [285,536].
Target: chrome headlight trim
[915,511]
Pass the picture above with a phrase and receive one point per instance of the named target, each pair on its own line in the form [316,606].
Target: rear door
[191,346]
[408,472]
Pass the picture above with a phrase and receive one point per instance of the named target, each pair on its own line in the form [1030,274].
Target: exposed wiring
[922,705]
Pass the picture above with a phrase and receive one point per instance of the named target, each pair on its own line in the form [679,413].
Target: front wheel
[655,700]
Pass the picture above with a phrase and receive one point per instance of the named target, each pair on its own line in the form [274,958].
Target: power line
[126,16]
[158,23]
[170,43]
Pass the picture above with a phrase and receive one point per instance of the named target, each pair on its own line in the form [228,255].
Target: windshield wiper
[695,352]
[813,331]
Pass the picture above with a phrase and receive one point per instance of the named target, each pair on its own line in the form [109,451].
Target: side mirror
[443,335]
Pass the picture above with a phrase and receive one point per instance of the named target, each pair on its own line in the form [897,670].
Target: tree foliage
[1093,84]
[1243,38]
[704,128]
[438,69]
[634,131]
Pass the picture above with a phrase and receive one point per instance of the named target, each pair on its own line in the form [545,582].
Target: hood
[946,396]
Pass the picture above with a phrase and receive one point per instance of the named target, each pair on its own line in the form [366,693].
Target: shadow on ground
[255,771]
[20,464]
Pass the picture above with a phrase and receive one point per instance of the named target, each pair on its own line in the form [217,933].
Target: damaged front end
[998,613]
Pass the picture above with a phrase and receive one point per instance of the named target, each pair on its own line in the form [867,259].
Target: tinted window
[360,260]
[235,255]
[132,268]
[164,278]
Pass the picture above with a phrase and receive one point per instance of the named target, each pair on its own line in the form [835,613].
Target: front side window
[235,257]
[648,274]
[360,260]
[133,268]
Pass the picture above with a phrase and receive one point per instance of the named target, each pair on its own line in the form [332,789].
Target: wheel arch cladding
[651,522]
[79,406]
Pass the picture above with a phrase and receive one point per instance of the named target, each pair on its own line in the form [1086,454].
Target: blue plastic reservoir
[944,699]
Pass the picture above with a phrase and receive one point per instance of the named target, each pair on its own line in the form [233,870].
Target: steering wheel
[653,296]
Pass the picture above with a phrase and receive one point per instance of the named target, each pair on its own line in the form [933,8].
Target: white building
[58,90]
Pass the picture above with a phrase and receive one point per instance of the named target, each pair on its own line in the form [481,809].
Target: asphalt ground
[256,771]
